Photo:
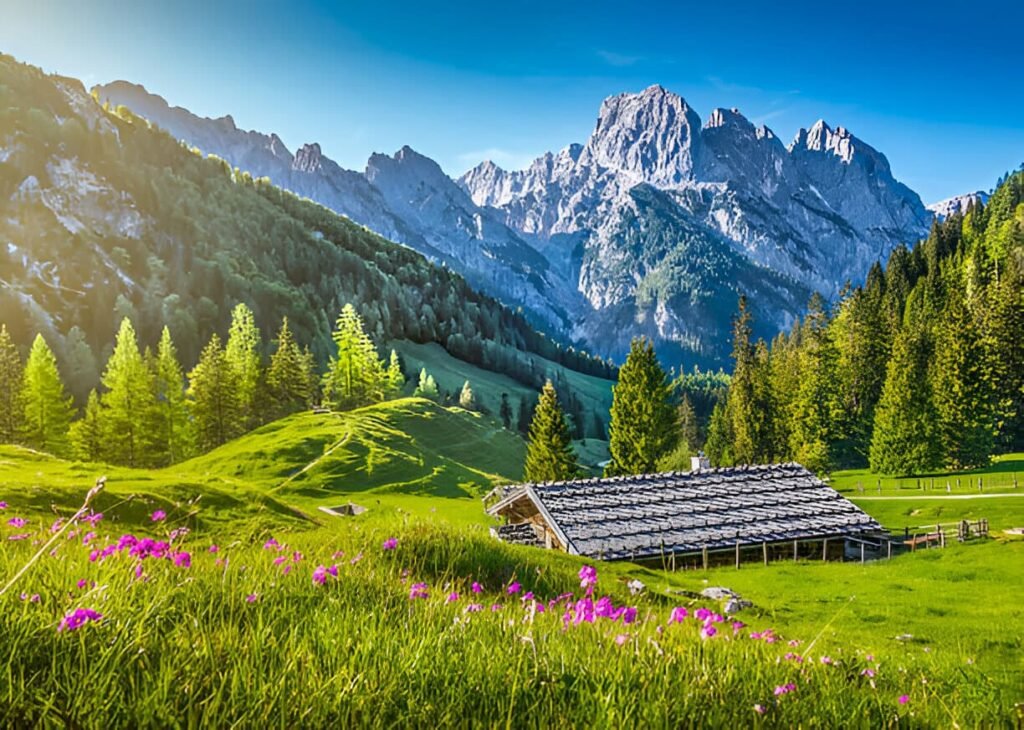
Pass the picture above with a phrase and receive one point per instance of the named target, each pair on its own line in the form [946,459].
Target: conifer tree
[172,426]
[718,445]
[12,411]
[904,439]
[549,453]
[426,387]
[394,378]
[288,379]
[128,403]
[643,425]
[747,408]
[47,405]
[466,399]
[355,376]
[963,391]
[86,434]
[243,354]
[213,390]
[505,412]
[814,408]
[686,416]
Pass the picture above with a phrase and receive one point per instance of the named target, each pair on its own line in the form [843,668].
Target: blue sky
[937,87]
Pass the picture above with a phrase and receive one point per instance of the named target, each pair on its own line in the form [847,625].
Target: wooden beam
[764,550]
[704,554]
[737,555]
[824,550]
[794,550]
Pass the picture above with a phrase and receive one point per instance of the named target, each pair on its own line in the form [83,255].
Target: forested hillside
[103,217]
[922,367]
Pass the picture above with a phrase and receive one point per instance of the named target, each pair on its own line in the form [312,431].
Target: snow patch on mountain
[958,204]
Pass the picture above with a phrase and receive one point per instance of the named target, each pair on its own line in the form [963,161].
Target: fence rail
[945,485]
[961,531]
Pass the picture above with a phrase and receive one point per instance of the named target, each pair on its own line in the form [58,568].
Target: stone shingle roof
[521,534]
[650,515]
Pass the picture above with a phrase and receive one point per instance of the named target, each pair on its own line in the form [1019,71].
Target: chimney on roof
[699,462]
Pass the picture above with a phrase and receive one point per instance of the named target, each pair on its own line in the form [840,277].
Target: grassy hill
[410,454]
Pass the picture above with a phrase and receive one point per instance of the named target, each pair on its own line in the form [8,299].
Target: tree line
[148,412]
[920,368]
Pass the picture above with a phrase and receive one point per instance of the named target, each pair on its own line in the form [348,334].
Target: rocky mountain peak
[729,118]
[647,136]
[308,158]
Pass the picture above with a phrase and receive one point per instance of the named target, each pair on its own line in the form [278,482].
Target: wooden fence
[961,531]
[943,485]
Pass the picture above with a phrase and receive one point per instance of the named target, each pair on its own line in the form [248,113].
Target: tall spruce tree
[549,453]
[213,390]
[12,411]
[814,408]
[355,376]
[964,393]
[748,407]
[48,410]
[718,445]
[86,434]
[904,438]
[394,377]
[643,426]
[172,425]
[128,403]
[288,381]
[426,387]
[243,355]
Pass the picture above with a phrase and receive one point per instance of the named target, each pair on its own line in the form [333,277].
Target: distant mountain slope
[103,216]
[798,219]
[958,204]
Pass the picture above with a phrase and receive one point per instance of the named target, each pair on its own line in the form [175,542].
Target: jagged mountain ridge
[564,238]
[958,204]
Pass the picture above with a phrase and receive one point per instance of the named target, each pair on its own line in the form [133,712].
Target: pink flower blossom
[77,618]
[794,642]
[92,518]
[34,598]
[17,522]
[83,583]
[452,597]
[791,657]
[588,576]
[678,614]
[707,631]
[702,614]
[213,549]
[621,639]
[271,544]
[320,575]
[737,626]
[138,571]
[280,559]
[356,559]
[20,536]
[338,554]
[251,598]
[629,615]
[390,544]
[760,709]
[3,505]
[88,537]
[784,689]
[182,560]
[903,699]
[55,527]
[496,607]
[158,516]
[513,588]
[826,660]
[867,672]
[418,590]
[477,588]
[473,608]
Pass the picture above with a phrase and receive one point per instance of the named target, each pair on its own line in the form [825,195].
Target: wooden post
[888,555]
[704,555]
[764,550]
[824,550]
[862,552]
[673,559]
[737,555]
[794,550]
[913,544]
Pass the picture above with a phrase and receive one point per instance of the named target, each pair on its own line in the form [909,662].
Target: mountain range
[655,225]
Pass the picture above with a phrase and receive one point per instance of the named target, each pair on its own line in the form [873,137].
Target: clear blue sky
[938,87]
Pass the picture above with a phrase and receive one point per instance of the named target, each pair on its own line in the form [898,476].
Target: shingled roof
[646,516]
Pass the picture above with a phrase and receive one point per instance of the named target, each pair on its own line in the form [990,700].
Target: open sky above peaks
[935,86]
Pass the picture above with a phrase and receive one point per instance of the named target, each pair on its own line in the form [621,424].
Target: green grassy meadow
[248,636]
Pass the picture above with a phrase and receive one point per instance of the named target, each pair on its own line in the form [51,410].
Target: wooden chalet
[764,510]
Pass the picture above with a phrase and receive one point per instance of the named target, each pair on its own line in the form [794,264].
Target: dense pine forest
[920,368]
[104,218]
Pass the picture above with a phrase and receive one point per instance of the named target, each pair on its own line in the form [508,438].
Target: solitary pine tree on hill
[549,453]
[643,425]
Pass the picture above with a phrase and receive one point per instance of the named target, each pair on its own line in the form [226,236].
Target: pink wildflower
[182,560]
[20,536]
[514,588]
[418,590]
[286,569]
[17,522]
[791,657]
[338,554]
[495,607]
[678,614]
[760,709]
[280,559]
[356,559]
[477,588]
[320,574]
[57,524]
[251,598]
[3,505]
[794,642]
[77,618]
[784,689]
[213,549]
[88,537]
[452,597]
[83,583]
[707,631]
[271,544]
[903,699]
[473,608]
[867,672]
[629,615]
[138,571]
[702,614]
[621,639]
[390,544]
[826,660]
[158,516]
[34,598]
[738,626]
[588,576]
[92,518]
